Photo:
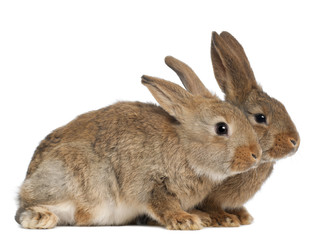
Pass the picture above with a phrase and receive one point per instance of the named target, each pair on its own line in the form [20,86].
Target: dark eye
[260,118]
[222,128]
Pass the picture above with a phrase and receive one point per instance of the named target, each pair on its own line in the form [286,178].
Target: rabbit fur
[108,166]
[277,134]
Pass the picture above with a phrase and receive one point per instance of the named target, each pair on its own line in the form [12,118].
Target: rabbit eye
[260,118]
[222,128]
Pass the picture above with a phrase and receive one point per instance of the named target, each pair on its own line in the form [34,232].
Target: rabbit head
[208,128]
[276,131]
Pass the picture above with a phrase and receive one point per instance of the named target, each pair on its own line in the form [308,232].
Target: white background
[59,59]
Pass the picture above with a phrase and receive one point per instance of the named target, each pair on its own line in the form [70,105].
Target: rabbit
[276,131]
[108,166]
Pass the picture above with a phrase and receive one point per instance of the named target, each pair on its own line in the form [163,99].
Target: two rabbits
[108,166]
[276,132]
[111,165]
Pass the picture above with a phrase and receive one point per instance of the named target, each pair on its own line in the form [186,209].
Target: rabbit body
[276,132]
[229,196]
[275,139]
[98,156]
[110,165]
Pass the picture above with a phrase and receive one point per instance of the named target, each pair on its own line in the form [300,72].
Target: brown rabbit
[110,165]
[276,132]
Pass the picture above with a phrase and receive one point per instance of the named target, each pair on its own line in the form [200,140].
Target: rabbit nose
[255,153]
[293,142]
[246,157]
[256,158]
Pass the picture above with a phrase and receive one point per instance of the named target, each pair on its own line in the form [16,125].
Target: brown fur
[244,217]
[229,65]
[110,165]
[205,218]
[240,163]
[278,137]
[82,216]
[186,73]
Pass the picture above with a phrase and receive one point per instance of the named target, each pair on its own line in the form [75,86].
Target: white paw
[38,218]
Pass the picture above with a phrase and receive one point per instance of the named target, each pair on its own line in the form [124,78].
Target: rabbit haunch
[108,166]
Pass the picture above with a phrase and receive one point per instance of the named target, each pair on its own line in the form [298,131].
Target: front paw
[223,219]
[245,219]
[243,215]
[184,221]
[205,217]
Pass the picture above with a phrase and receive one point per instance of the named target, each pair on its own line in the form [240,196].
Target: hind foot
[38,218]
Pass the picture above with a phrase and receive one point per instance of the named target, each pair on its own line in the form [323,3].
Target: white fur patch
[106,213]
[64,211]
[214,176]
[109,213]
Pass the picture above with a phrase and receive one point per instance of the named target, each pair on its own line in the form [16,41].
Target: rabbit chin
[266,156]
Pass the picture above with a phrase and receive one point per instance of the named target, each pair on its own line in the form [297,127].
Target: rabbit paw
[243,215]
[205,217]
[38,218]
[184,221]
[245,219]
[224,219]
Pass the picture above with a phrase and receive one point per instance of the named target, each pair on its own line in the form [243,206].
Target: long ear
[231,68]
[238,48]
[172,98]
[188,77]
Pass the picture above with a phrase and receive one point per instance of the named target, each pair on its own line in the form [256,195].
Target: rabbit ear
[231,67]
[188,77]
[236,47]
[172,98]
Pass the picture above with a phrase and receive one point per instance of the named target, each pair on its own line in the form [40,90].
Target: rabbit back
[96,158]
